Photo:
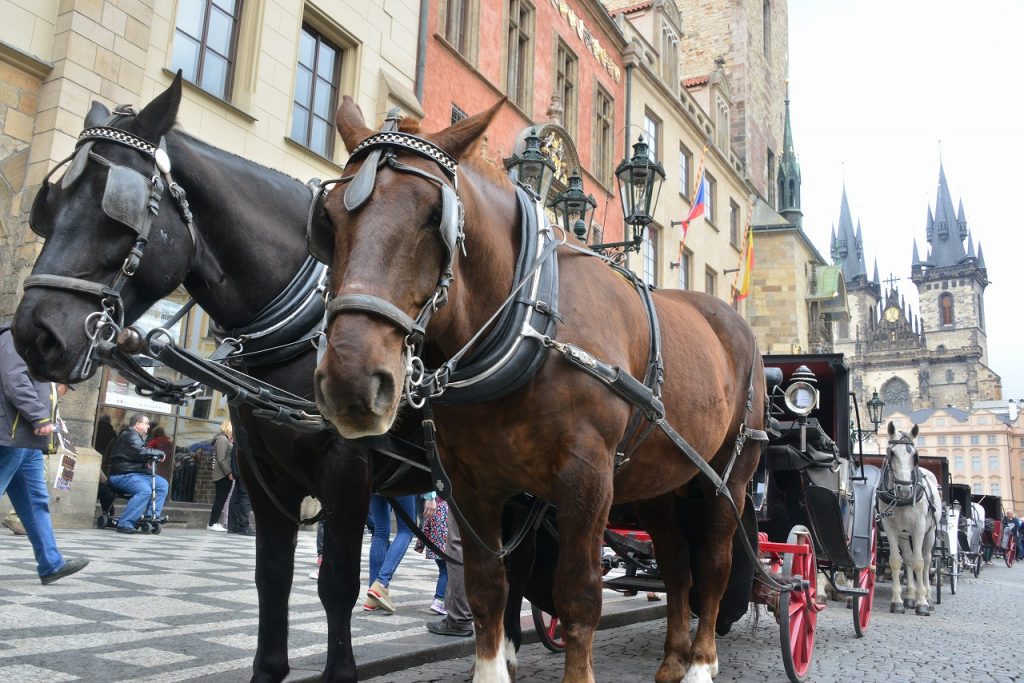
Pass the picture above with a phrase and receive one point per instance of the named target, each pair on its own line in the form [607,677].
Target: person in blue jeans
[386,553]
[130,472]
[28,417]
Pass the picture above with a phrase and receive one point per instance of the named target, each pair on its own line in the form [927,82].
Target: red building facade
[560,64]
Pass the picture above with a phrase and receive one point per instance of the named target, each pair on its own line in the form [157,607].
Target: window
[942,441]
[669,57]
[458,113]
[975,463]
[766,27]
[650,256]
[994,488]
[456,25]
[993,463]
[566,76]
[316,92]
[205,37]
[722,132]
[958,440]
[946,308]
[520,49]
[684,269]
[734,224]
[922,440]
[685,169]
[975,439]
[1021,442]
[976,487]
[949,374]
[652,128]
[958,463]
[604,135]
[709,197]
[772,199]
[710,281]
[941,421]
[991,439]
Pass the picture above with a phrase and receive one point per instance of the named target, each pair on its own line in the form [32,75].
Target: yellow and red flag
[744,289]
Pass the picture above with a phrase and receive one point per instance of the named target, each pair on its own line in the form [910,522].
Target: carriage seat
[784,452]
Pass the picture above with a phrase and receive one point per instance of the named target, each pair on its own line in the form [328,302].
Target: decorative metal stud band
[414,144]
[115,135]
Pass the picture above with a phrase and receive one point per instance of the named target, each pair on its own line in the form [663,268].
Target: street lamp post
[875,405]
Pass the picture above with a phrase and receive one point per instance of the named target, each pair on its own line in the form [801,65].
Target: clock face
[892,314]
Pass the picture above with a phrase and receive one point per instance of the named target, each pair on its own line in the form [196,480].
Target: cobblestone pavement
[971,636]
[183,606]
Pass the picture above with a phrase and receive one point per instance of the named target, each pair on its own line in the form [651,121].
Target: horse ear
[892,429]
[458,139]
[913,432]
[351,124]
[158,116]
[97,116]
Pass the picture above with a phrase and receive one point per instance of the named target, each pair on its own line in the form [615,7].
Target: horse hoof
[849,603]
[923,611]
[896,608]
[931,606]
[698,673]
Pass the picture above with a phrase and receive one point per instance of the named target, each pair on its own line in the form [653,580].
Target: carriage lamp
[875,405]
[532,167]
[801,395]
[573,208]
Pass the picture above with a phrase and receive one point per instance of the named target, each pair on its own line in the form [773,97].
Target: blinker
[126,197]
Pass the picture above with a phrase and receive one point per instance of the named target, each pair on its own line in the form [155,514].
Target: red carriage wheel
[798,610]
[862,604]
[549,630]
[1010,554]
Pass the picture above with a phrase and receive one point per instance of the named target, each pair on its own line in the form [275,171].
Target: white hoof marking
[699,673]
[510,657]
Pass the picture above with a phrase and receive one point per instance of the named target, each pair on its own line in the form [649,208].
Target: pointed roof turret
[981,258]
[961,220]
[789,175]
[847,246]
[944,233]
[970,245]
[875,277]
[917,259]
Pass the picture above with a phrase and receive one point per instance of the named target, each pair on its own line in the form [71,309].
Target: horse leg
[345,499]
[661,520]
[895,564]
[583,505]
[275,567]
[922,566]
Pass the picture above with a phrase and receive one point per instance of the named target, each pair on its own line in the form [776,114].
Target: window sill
[213,98]
[291,142]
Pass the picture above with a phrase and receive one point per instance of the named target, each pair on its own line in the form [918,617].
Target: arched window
[896,394]
[946,308]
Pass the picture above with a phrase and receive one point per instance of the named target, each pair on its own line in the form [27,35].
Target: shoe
[445,628]
[127,530]
[380,596]
[367,607]
[244,532]
[315,574]
[216,527]
[70,567]
[437,607]
[14,524]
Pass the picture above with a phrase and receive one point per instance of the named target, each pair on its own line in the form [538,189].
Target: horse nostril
[381,392]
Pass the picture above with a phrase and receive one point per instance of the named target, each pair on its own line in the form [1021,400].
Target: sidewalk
[182,606]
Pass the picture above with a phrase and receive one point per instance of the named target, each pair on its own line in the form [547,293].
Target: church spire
[789,176]
[847,247]
[947,230]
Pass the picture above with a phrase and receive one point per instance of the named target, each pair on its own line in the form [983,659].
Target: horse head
[901,457]
[398,227]
[97,220]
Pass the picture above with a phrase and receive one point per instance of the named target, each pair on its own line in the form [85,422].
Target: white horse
[910,508]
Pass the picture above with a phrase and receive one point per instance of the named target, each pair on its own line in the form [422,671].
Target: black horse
[247,241]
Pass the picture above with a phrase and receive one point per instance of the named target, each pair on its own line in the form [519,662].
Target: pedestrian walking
[222,477]
[459,619]
[28,419]
[386,553]
[435,527]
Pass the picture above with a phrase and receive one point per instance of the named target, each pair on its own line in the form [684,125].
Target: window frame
[685,171]
[652,134]
[650,255]
[734,224]
[202,40]
[685,278]
[522,69]
[709,198]
[710,281]
[567,85]
[336,86]
[603,136]
[947,312]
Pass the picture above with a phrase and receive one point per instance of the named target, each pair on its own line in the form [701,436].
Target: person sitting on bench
[130,472]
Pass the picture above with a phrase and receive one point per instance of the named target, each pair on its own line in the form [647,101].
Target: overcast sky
[874,87]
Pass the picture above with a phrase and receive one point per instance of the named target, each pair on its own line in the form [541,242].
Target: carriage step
[851,591]
[635,583]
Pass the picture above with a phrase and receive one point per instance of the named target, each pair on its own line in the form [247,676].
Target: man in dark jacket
[130,472]
[239,506]
[28,412]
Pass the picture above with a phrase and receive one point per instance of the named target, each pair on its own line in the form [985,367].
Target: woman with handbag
[222,477]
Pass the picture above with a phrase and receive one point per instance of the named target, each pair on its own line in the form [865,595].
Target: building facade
[938,357]
[263,80]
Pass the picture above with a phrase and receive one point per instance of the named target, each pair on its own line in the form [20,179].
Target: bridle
[130,198]
[381,149]
[900,492]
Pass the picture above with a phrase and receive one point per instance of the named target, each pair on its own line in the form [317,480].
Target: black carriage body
[813,475]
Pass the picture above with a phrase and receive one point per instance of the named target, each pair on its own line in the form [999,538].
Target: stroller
[149,522]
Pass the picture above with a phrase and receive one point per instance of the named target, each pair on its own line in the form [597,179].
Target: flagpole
[698,179]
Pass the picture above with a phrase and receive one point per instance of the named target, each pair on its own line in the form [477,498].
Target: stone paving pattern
[182,605]
[971,637]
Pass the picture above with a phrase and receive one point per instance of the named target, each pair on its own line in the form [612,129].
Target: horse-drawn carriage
[998,539]
[810,509]
[971,523]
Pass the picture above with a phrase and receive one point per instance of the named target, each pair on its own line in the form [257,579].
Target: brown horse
[556,436]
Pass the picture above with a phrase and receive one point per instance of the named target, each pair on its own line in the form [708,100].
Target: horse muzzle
[53,346]
[359,405]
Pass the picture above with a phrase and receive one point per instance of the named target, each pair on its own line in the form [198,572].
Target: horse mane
[248,163]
